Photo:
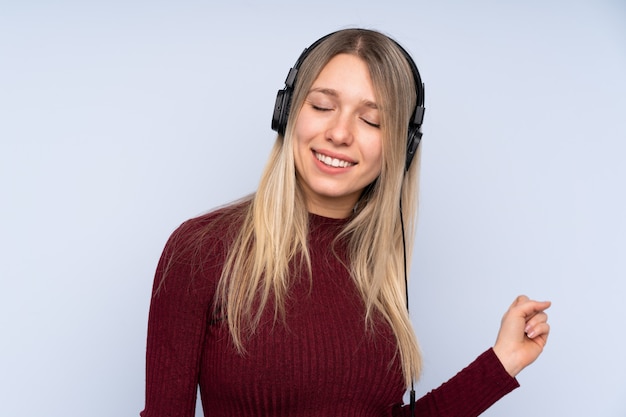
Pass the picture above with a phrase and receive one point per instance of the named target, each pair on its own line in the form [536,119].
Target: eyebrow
[334,93]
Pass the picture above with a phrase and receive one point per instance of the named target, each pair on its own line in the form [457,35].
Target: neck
[333,212]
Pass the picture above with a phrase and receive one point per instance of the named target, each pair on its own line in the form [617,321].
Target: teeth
[333,162]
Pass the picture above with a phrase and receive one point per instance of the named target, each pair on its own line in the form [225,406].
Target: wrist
[508,359]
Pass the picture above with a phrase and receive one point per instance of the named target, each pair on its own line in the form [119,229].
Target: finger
[519,299]
[539,333]
[530,308]
[537,318]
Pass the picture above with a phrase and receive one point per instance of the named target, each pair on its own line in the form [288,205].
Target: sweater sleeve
[469,393]
[176,329]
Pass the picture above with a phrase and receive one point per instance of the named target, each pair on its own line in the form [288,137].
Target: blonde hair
[274,225]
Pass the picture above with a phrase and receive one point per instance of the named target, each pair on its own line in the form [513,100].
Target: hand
[523,334]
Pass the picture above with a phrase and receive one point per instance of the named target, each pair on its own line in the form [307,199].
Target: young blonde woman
[292,301]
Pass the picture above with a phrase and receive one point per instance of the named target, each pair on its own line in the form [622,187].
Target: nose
[341,130]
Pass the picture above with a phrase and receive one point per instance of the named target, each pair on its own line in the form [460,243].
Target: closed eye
[320,108]
[376,125]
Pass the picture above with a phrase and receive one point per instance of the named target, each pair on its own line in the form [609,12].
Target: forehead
[347,75]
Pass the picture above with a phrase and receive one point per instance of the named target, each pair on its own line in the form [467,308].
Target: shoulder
[215,227]
[204,239]
[196,250]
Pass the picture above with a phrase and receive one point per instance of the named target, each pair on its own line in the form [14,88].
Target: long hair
[274,226]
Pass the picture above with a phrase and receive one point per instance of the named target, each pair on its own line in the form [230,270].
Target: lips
[333,162]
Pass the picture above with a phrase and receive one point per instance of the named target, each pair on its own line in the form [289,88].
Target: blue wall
[119,120]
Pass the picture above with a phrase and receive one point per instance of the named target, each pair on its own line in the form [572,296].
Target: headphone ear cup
[281,110]
[413,141]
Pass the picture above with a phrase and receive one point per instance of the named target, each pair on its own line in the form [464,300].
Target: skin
[523,334]
[339,120]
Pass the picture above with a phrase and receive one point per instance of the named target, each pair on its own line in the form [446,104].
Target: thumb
[519,300]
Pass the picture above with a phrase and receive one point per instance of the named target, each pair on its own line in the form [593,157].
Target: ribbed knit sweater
[322,361]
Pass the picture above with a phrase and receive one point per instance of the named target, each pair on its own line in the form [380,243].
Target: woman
[292,302]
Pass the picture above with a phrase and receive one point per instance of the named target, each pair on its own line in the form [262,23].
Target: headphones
[284,96]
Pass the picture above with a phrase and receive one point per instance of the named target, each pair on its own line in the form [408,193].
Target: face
[338,144]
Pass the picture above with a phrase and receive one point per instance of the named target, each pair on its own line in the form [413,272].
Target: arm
[468,393]
[176,330]
[523,334]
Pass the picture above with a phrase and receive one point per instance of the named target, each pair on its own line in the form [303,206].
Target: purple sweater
[321,362]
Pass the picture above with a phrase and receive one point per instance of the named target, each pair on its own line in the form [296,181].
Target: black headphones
[284,96]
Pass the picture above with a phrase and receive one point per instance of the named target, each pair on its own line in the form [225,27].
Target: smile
[333,162]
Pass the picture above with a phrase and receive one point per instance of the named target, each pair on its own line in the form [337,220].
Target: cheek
[300,141]
[375,155]
[304,128]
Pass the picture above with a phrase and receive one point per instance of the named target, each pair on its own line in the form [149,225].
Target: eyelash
[375,125]
[324,109]
[318,108]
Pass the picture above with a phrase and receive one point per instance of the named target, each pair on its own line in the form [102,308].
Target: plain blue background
[121,119]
